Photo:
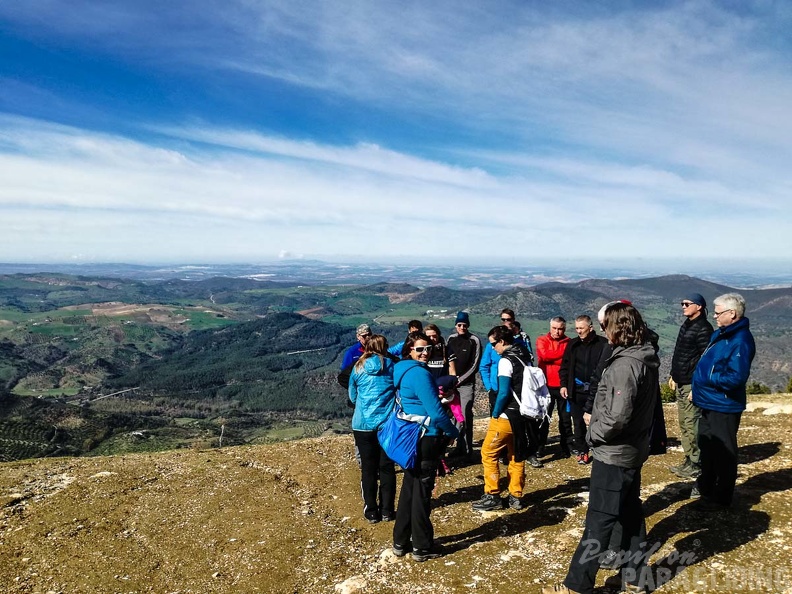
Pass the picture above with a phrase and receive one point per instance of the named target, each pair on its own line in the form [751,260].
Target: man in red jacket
[549,352]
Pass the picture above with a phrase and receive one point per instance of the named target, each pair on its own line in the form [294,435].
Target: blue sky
[243,131]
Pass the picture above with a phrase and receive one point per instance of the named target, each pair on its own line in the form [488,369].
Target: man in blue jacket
[718,389]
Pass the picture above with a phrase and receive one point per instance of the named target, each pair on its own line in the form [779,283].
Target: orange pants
[499,436]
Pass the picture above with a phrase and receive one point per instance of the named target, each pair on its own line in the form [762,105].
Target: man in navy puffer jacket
[719,391]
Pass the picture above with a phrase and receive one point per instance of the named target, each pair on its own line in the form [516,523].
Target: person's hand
[586,418]
[672,383]
[564,393]
[690,396]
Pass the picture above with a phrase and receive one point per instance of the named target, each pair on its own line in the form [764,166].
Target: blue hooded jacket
[722,372]
[371,390]
[419,396]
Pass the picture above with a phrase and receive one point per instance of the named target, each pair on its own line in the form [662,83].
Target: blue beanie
[462,318]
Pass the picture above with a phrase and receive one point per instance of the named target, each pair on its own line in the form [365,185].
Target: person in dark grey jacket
[694,336]
[619,434]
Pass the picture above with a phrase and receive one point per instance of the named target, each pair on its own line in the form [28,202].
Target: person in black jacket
[692,341]
[578,365]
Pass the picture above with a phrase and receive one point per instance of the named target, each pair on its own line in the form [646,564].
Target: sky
[242,130]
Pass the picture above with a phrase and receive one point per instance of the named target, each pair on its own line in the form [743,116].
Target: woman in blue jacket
[372,392]
[419,396]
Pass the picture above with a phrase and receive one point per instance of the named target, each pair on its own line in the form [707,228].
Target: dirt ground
[288,518]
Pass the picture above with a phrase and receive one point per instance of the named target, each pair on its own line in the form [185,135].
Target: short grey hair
[732,301]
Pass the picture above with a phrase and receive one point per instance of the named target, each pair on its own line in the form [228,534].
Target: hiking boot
[691,472]
[535,462]
[694,492]
[422,555]
[401,550]
[558,589]
[684,467]
[372,517]
[488,502]
[583,458]
[515,503]
[610,560]
[540,452]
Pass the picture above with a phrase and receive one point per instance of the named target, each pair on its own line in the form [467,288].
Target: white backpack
[536,397]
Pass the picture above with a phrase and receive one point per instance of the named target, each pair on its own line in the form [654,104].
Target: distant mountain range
[235,352]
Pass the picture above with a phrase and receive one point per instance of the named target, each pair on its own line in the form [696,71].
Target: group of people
[606,390]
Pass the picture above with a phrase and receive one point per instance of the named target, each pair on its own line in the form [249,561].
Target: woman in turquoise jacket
[371,391]
[419,396]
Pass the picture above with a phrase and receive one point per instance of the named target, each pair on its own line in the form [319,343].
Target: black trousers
[717,439]
[534,429]
[615,496]
[564,422]
[576,402]
[377,476]
[412,515]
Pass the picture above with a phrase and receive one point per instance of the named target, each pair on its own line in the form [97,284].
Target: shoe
[535,462]
[515,503]
[566,454]
[684,467]
[610,560]
[583,458]
[422,555]
[488,502]
[372,517]
[540,452]
[401,550]
[558,589]
[692,471]
[632,589]
[694,493]
[388,517]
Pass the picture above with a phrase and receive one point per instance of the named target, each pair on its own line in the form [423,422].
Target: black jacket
[580,361]
[692,341]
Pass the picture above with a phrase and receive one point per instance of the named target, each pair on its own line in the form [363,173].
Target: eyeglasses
[421,349]
[717,314]
[507,319]
[494,342]
[461,325]
[687,304]
[366,335]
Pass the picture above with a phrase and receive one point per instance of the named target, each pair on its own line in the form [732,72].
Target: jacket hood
[403,367]
[520,351]
[373,365]
[645,353]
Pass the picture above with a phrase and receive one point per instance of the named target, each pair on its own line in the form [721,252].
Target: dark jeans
[564,422]
[412,515]
[378,475]
[717,440]
[465,440]
[576,403]
[615,496]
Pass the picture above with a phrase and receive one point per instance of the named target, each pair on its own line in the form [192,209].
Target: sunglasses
[460,325]
[686,304]
[421,349]
[507,319]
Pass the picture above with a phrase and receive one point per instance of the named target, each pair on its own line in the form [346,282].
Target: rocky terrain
[288,518]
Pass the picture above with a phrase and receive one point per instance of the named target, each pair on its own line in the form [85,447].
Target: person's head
[417,346]
[501,338]
[692,305]
[508,318]
[604,308]
[624,325]
[363,333]
[462,322]
[583,326]
[414,326]
[728,308]
[433,333]
[557,328]
[376,345]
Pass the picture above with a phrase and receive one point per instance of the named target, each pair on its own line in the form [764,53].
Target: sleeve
[505,372]
[617,403]
[563,371]
[352,387]
[736,370]
[485,367]
[426,390]
[540,350]
[396,349]
[349,355]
